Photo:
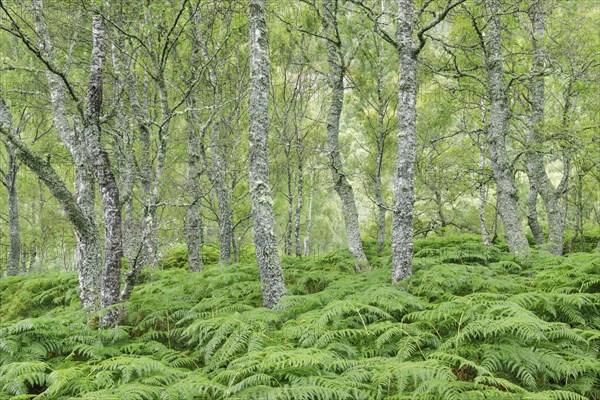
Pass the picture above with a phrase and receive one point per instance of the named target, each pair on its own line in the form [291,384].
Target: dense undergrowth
[472,323]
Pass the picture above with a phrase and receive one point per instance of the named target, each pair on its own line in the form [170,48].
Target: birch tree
[88,254]
[506,191]
[8,179]
[338,65]
[109,191]
[261,199]
[539,182]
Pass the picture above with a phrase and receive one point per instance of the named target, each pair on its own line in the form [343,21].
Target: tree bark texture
[88,252]
[299,194]
[337,71]
[193,225]
[485,234]
[84,226]
[290,200]
[506,191]
[217,172]
[261,198]
[10,181]
[381,106]
[404,170]
[306,242]
[113,239]
[538,179]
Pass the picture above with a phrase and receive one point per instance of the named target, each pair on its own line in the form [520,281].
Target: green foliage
[472,323]
[177,257]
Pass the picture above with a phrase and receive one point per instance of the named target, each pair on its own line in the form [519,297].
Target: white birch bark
[113,241]
[404,170]
[306,242]
[9,180]
[219,167]
[337,72]
[506,191]
[88,257]
[84,226]
[536,171]
[261,198]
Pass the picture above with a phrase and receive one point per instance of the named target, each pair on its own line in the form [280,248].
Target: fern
[472,323]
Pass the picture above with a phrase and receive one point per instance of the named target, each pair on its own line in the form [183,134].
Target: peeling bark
[261,198]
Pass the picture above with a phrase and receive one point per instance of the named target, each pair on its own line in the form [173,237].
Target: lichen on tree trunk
[261,199]
[506,191]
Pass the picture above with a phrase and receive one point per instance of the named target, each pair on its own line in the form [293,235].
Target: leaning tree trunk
[261,198]
[337,71]
[84,226]
[538,179]
[14,253]
[113,240]
[88,257]
[404,171]
[506,191]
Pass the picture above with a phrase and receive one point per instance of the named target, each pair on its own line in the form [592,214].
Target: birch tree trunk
[10,181]
[219,166]
[193,220]
[404,171]
[299,194]
[289,198]
[84,226]
[217,172]
[261,198]
[306,243]
[532,216]
[219,181]
[506,191]
[193,226]
[127,162]
[337,71]
[381,134]
[536,171]
[113,240]
[88,252]
[485,234]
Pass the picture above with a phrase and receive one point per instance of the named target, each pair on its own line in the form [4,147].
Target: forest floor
[472,323]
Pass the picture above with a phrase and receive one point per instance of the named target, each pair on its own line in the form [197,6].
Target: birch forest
[300,199]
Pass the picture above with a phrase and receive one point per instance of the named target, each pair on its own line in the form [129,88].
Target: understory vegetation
[471,323]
